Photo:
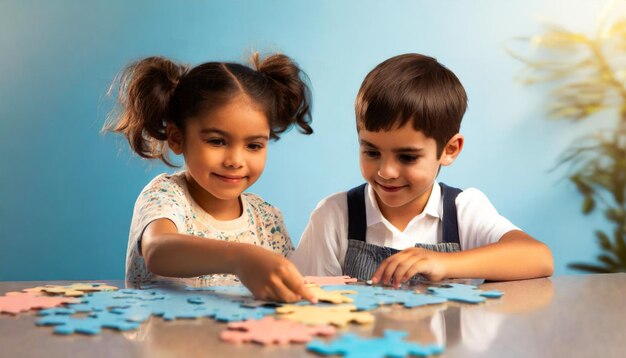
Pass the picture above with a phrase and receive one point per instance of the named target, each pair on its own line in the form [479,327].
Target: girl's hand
[408,263]
[271,277]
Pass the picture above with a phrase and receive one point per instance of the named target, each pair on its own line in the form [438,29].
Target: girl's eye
[407,159]
[215,141]
[255,146]
[371,153]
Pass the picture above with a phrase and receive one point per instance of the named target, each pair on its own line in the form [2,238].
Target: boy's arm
[515,256]
[268,275]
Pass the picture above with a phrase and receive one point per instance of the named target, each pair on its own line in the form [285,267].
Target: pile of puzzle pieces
[88,307]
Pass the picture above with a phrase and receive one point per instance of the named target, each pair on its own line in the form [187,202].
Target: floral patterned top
[167,196]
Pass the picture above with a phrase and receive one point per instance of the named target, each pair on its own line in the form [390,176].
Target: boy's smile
[401,166]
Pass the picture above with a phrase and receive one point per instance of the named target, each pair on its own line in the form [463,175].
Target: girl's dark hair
[416,88]
[156,91]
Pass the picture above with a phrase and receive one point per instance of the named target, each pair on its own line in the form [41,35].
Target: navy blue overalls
[362,258]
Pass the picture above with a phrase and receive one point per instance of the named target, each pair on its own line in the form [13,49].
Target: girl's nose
[233,159]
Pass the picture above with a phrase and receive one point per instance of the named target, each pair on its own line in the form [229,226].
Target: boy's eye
[371,153]
[255,146]
[406,158]
[215,141]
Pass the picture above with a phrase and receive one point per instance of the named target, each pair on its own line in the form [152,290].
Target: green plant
[588,73]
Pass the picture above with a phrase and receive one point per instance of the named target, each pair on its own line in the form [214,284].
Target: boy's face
[401,166]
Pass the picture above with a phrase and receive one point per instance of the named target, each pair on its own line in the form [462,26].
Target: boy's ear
[452,149]
[174,138]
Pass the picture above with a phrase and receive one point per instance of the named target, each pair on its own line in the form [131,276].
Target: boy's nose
[387,171]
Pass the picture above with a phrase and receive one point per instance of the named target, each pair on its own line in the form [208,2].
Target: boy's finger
[378,274]
[416,268]
[401,271]
[392,265]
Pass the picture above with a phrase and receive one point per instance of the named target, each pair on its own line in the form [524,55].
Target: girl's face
[225,152]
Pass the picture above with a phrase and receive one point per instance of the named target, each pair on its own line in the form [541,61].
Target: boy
[401,223]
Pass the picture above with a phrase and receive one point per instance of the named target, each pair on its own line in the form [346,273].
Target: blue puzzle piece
[65,324]
[463,293]
[177,304]
[239,313]
[391,345]
[100,301]
[370,297]
[56,311]
[136,314]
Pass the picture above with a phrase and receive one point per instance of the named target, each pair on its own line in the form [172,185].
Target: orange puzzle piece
[270,330]
[16,302]
[329,280]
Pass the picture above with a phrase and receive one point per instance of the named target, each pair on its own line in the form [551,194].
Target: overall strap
[450,224]
[357,224]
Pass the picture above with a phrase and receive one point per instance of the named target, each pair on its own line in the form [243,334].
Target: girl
[220,117]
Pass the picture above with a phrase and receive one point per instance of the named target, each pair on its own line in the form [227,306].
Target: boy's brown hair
[412,87]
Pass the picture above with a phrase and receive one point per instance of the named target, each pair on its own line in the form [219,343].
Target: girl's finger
[283,293]
[295,283]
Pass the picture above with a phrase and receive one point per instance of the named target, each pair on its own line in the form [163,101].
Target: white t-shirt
[167,196]
[322,248]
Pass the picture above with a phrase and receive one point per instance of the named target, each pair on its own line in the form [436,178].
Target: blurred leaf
[588,205]
[589,74]
[589,268]
[604,241]
[608,261]
[615,215]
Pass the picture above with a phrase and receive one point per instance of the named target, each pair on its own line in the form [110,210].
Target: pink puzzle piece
[329,280]
[16,302]
[270,330]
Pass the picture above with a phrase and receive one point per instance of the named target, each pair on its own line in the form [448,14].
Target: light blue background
[67,192]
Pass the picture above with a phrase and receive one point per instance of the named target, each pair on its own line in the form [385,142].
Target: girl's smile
[230,179]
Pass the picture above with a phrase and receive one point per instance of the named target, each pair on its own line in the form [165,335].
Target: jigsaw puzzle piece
[329,280]
[336,297]
[371,297]
[337,315]
[463,293]
[56,311]
[91,325]
[270,330]
[16,302]
[391,345]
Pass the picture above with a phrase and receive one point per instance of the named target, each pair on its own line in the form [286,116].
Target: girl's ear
[174,138]
[452,149]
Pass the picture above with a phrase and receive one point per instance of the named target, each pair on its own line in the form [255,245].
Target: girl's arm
[268,275]
[515,256]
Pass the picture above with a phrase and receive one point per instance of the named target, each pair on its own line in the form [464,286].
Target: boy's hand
[271,277]
[408,263]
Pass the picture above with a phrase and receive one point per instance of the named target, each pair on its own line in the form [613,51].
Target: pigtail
[145,91]
[292,94]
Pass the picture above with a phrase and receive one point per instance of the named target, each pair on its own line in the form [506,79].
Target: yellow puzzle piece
[339,315]
[73,290]
[330,296]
